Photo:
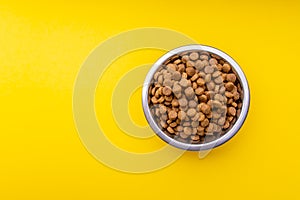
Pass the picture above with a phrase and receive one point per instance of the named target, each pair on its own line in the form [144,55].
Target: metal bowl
[219,141]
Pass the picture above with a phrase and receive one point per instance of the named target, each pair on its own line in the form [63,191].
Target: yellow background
[42,46]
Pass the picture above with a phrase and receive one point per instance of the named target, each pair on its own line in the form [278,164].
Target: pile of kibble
[195,97]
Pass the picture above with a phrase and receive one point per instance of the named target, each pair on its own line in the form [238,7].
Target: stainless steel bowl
[233,130]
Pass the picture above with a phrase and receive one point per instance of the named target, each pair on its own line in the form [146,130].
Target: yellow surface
[42,46]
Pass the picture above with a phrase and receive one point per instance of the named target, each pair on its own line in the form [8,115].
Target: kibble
[172,115]
[190,71]
[195,97]
[226,67]
[166,91]
[191,112]
[176,76]
[231,78]
[194,56]
[189,92]
[182,102]
[184,82]
[190,64]
[209,69]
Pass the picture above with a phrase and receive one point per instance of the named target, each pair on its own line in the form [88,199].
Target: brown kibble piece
[194,85]
[172,115]
[160,79]
[216,74]
[204,57]
[210,86]
[193,104]
[229,86]
[226,125]
[189,92]
[176,76]
[162,109]
[161,99]
[195,137]
[207,78]
[232,111]
[177,61]
[164,117]
[186,123]
[224,76]
[228,94]
[209,129]
[203,98]
[231,78]
[175,103]
[209,69]
[201,116]
[171,67]
[187,130]
[183,135]
[199,65]
[216,104]
[205,122]
[209,115]
[205,108]
[163,124]
[200,129]
[219,66]
[190,64]
[236,96]
[157,95]
[219,97]
[221,121]
[230,118]
[234,104]
[196,117]
[191,112]
[205,62]
[216,115]
[218,80]
[182,102]
[200,81]
[185,58]
[194,56]
[226,68]
[168,82]
[230,101]
[199,91]
[173,124]
[184,82]
[181,115]
[181,68]
[153,90]
[154,100]
[213,61]
[195,124]
[190,71]
[170,130]
[238,112]
[240,105]
[194,77]
[222,90]
[167,91]
[179,128]
[168,98]
[176,89]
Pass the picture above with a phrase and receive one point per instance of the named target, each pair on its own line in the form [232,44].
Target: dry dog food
[195,97]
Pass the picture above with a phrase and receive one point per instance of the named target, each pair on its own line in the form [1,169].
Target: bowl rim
[221,140]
